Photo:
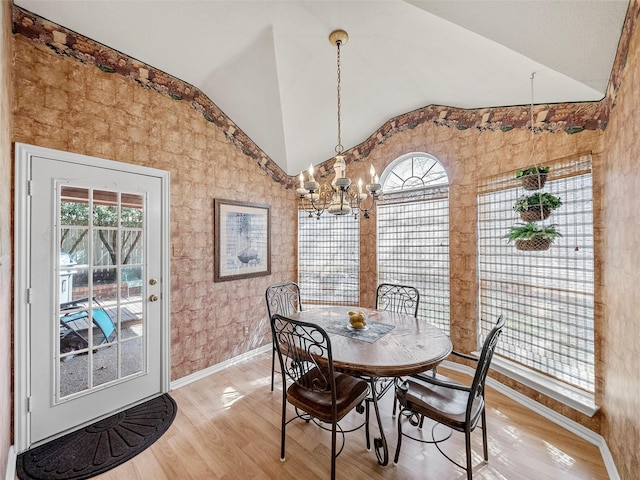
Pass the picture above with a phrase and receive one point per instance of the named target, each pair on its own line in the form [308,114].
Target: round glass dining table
[391,345]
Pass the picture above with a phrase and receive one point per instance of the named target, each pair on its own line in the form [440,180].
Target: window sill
[566,394]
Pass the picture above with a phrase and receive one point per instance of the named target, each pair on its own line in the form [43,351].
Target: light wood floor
[228,427]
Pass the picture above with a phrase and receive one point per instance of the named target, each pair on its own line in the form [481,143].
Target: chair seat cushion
[350,391]
[445,405]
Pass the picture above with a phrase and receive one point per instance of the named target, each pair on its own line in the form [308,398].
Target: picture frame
[242,240]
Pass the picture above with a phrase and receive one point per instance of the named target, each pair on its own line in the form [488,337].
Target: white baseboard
[181,382]
[566,423]
[11,464]
[608,461]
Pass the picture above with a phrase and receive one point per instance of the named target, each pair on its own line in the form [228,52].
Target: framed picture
[242,240]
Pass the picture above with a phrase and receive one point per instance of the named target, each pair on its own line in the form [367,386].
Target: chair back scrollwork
[283,299]
[398,298]
[305,353]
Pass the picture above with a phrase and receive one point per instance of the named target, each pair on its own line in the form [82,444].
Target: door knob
[153,281]
[153,298]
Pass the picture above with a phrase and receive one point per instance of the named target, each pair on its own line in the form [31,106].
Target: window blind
[328,260]
[547,296]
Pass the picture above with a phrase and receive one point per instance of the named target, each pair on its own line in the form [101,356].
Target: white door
[94,272]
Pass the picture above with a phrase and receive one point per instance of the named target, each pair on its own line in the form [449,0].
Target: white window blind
[328,259]
[547,297]
[413,232]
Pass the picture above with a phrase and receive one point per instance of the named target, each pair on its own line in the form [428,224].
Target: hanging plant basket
[531,236]
[534,181]
[533,244]
[535,214]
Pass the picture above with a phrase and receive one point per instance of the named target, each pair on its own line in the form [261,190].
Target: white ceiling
[270,67]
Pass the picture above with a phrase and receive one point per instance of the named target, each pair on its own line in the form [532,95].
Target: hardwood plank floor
[228,427]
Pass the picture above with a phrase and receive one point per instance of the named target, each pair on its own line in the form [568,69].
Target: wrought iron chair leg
[273,365]
[333,451]
[467,443]
[399,444]
[484,435]
[284,422]
[366,423]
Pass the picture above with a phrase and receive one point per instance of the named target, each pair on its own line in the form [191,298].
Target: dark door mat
[100,446]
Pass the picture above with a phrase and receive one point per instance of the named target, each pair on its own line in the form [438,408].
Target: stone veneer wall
[64,104]
[6,162]
[621,266]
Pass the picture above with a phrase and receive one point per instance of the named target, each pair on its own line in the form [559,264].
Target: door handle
[153,298]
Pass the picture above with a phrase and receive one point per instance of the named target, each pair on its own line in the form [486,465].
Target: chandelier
[340,197]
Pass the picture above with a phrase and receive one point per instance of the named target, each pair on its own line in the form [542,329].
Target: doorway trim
[22,268]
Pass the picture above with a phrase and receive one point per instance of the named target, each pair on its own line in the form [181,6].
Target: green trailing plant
[537,201]
[535,170]
[530,231]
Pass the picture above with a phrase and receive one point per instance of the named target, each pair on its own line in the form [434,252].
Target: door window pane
[105,247]
[105,208]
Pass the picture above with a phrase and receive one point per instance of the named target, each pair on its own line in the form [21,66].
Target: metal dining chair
[315,388]
[282,299]
[459,407]
[399,299]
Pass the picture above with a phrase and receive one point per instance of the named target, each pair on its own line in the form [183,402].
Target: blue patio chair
[74,324]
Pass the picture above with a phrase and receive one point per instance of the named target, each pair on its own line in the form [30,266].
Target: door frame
[22,281]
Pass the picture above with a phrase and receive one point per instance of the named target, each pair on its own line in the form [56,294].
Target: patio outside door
[95,305]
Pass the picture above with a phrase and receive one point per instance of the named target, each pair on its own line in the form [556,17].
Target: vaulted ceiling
[270,67]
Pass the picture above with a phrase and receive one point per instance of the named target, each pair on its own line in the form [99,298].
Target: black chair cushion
[350,391]
[445,405]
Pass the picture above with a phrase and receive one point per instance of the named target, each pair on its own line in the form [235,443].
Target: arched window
[413,232]
[413,171]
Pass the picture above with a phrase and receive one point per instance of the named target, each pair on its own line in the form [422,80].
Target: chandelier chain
[339,147]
